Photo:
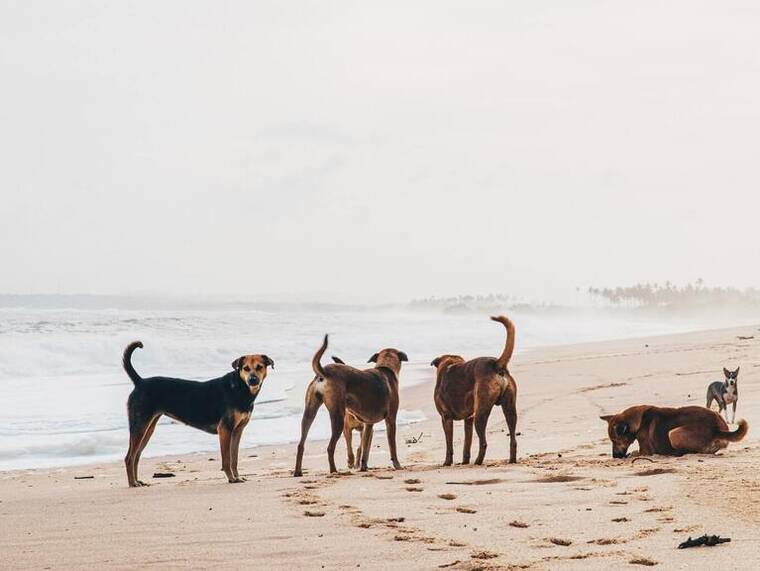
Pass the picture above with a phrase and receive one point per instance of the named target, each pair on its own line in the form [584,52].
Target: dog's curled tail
[739,434]
[315,361]
[509,346]
[126,361]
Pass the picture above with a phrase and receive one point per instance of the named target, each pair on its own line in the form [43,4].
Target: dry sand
[566,504]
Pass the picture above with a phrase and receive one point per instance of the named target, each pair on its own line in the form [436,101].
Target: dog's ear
[726,372]
[621,428]
[237,362]
[267,361]
[736,372]
[402,356]
[606,417]
[338,360]
[435,362]
[373,358]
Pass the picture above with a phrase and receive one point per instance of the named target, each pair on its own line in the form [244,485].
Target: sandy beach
[566,504]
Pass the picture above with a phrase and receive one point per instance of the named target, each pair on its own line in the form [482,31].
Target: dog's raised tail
[738,434]
[126,361]
[509,346]
[315,361]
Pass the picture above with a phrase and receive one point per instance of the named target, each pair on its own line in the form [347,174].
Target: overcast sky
[377,150]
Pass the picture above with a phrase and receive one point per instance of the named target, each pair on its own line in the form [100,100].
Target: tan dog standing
[468,390]
[371,395]
[670,431]
[351,423]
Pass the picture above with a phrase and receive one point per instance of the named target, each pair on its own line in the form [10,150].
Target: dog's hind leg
[448,432]
[367,431]
[139,424]
[510,414]
[481,422]
[143,443]
[467,440]
[348,434]
[313,402]
[337,420]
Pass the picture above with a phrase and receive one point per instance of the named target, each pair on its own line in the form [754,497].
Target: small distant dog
[725,393]
[351,423]
[670,431]
[468,390]
[220,406]
[370,395]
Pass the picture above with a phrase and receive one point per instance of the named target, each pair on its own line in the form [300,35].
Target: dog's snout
[253,380]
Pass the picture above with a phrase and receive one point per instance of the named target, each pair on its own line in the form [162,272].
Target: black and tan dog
[670,431]
[370,395]
[220,406]
[468,390]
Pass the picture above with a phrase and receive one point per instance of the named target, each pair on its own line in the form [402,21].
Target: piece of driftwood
[164,475]
[708,540]
[414,439]
[83,477]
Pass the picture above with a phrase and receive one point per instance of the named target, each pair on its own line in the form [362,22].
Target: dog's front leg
[367,431]
[225,441]
[347,434]
[390,428]
[237,434]
[733,412]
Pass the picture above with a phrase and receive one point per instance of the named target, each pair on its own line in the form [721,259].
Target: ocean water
[63,391]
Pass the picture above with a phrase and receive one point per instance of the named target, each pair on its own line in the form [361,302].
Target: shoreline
[566,504]
[519,354]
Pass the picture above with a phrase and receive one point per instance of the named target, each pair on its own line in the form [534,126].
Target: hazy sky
[378,150]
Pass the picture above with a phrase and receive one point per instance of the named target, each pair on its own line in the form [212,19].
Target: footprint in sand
[447,496]
[643,561]
[484,555]
[607,541]
[463,510]
[412,481]
[658,509]
[414,489]
[620,519]
[518,524]
[560,541]
[313,513]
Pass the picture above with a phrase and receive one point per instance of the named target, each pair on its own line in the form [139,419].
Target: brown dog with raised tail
[370,395]
[468,390]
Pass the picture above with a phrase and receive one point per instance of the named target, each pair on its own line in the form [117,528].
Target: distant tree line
[673,296]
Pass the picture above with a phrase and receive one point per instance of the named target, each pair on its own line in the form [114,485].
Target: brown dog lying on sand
[468,390]
[670,431]
[371,395]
